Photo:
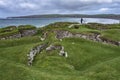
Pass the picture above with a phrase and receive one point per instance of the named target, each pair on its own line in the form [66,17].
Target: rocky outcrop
[34,51]
[94,36]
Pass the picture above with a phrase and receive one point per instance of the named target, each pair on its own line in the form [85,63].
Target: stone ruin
[44,36]
[60,34]
[57,47]
[23,33]
[33,52]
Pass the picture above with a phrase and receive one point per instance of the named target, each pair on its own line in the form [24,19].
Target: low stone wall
[63,34]
[34,51]
[95,37]
[22,33]
[57,47]
[110,41]
[28,32]
[18,35]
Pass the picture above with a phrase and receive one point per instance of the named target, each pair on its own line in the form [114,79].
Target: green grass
[83,30]
[112,34]
[83,62]
[26,27]
[20,41]
[5,34]
[7,29]
[87,60]
[11,30]
[99,26]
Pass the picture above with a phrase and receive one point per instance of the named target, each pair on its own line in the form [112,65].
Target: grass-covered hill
[87,59]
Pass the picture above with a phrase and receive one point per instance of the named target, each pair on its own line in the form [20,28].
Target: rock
[84,37]
[50,48]
[53,47]
[42,39]
[98,38]
[119,43]
[2,39]
[63,53]
[61,40]
[31,57]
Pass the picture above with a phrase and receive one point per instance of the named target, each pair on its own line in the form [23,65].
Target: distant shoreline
[105,16]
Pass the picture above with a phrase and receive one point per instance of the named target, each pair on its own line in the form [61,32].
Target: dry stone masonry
[28,32]
[33,52]
[44,36]
[57,47]
[20,34]
[60,34]
[17,35]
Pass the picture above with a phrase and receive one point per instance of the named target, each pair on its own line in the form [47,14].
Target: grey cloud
[20,7]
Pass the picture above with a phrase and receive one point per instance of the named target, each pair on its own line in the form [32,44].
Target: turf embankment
[87,60]
[12,30]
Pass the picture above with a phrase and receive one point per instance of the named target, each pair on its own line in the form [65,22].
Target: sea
[40,22]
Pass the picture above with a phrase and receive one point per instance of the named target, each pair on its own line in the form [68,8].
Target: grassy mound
[112,34]
[26,27]
[11,30]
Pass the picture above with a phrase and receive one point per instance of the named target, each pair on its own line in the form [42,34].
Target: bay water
[39,22]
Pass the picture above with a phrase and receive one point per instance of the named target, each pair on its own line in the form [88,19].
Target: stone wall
[22,33]
[28,32]
[38,49]
[95,37]
[57,47]
[33,52]
[18,35]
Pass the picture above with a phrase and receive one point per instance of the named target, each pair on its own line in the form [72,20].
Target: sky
[36,7]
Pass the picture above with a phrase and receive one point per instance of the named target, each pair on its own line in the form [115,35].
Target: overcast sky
[30,7]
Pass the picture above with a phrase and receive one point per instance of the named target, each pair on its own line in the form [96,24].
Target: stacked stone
[33,52]
[61,48]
